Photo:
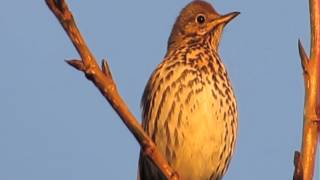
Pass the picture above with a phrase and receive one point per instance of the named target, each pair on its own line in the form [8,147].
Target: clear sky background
[54,124]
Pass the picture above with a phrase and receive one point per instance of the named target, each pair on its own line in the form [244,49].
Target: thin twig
[102,79]
[305,160]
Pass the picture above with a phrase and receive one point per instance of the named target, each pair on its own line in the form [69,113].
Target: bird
[189,108]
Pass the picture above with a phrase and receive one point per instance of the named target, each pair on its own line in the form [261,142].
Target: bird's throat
[214,37]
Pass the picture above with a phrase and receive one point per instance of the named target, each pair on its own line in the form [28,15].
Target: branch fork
[102,79]
[304,160]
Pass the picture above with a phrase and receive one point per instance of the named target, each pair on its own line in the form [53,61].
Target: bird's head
[197,21]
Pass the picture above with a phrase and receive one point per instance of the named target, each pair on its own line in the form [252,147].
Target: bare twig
[305,161]
[102,79]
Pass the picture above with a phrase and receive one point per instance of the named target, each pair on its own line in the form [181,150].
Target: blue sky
[54,124]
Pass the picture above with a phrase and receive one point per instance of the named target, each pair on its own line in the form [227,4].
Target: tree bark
[305,160]
[102,79]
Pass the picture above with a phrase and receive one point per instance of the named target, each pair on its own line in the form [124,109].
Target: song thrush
[188,106]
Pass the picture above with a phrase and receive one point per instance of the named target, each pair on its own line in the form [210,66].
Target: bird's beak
[224,19]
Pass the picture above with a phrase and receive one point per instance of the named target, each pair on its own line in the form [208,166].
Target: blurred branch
[305,160]
[102,79]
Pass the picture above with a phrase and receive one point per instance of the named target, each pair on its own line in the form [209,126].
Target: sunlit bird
[188,106]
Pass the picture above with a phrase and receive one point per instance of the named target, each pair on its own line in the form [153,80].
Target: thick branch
[305,161]
[102,79]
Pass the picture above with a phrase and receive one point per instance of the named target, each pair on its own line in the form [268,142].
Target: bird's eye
[200,19]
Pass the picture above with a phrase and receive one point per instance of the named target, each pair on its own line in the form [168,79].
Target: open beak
[224,19]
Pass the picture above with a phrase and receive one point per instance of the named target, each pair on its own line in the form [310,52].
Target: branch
[103,80]
[305,161]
